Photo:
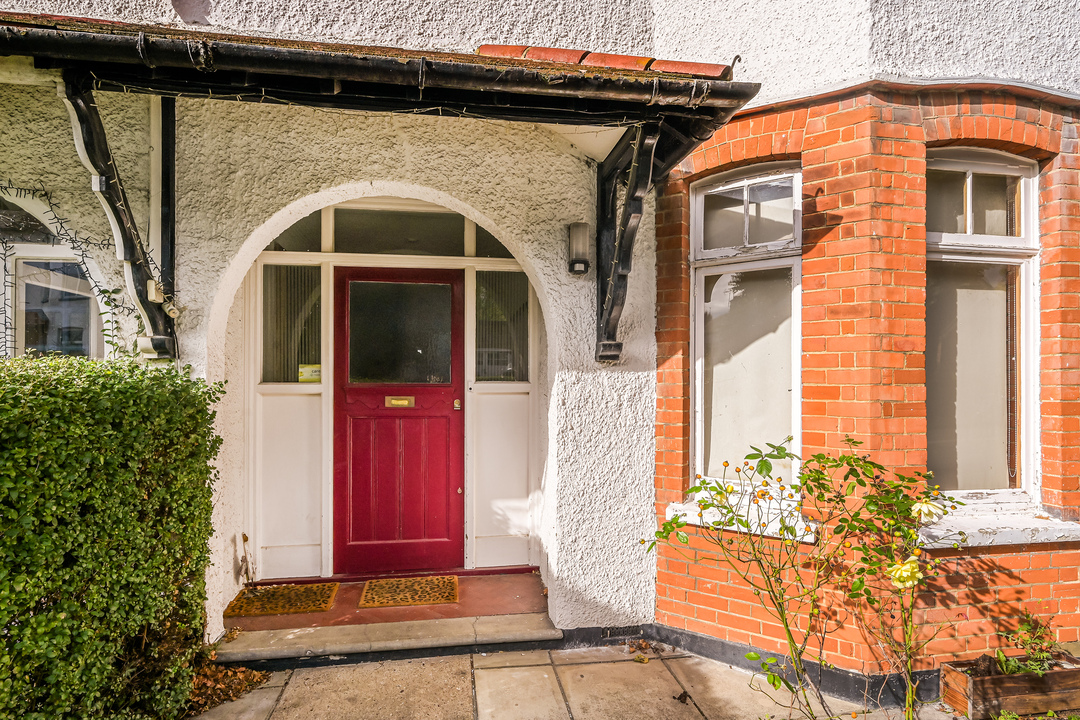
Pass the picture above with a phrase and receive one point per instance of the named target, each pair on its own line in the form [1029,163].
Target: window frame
[102,319]
[744,178]
[749,258]
[697,352]
[990,162]
[1022,253]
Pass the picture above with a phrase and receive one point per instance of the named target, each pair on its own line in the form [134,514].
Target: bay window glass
[973,198]
[746,388]
[978,253]
[970,374]
[745,244]
[747,216]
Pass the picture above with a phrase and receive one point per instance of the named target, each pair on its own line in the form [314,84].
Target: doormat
[282,600]
[399,592]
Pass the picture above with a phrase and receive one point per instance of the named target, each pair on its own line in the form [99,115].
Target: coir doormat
[282,600]
[399,592]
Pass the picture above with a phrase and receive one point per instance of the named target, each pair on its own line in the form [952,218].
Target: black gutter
[168,198]
[210,55]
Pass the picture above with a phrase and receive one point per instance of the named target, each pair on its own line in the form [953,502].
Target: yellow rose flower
[906,574]
[927,512]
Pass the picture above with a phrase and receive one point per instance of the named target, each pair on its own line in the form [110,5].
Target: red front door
[399,432]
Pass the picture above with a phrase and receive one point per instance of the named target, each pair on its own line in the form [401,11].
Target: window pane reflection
[399,233]
[305,235]
[995,200]
[57,308]
[724,220]
[771,212]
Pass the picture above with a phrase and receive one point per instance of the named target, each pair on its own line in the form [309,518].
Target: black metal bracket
[93,146]
[632,158]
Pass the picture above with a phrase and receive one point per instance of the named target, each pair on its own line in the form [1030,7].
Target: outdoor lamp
[579,248]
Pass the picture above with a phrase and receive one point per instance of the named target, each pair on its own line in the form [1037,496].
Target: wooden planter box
[1027,694]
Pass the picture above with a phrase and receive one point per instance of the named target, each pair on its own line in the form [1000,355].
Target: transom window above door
[401,336]
[389,226]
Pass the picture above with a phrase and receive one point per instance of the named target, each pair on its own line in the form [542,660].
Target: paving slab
[611,690]
[428,689]
[519,693]
[256,705]
[614,653]
[511,659]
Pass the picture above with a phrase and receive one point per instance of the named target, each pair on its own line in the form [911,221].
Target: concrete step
[344,640]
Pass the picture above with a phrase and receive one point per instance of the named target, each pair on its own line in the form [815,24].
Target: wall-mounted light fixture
[579,248]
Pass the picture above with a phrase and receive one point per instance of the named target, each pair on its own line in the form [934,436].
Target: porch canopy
[665,108]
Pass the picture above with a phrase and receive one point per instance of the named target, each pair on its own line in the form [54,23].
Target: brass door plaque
[400,401]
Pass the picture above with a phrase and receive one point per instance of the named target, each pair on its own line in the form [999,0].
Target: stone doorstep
[385,637]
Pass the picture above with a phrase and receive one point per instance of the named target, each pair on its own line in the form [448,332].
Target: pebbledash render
[883,243]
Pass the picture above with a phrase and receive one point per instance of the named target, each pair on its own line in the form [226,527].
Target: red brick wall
[863,159]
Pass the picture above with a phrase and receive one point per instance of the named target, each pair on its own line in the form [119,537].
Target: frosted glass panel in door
[502,326]
[746,383]
[292,322]
[399,332]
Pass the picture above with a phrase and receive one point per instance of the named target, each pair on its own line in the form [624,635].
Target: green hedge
[105,505]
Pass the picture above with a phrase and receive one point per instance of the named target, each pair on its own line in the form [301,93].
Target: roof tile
[503,51]
[553,54]
[709,70]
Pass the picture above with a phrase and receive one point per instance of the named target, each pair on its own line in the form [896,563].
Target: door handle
[457,404]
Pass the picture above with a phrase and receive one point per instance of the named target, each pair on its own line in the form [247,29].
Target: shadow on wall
[953,611]
[194,12]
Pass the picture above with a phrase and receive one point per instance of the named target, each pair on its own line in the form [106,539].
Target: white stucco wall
[791,47]
[246,172]
[1028,41]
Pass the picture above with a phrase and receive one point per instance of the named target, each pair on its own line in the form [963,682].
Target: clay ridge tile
[607,60]
[707,70]
[503,51]
[554,54]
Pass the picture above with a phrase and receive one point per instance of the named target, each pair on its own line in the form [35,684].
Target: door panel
[399,439]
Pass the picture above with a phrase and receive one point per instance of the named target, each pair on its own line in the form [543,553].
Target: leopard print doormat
[399,592]
[282,600]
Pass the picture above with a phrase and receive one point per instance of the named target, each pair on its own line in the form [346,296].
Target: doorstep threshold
[291,643]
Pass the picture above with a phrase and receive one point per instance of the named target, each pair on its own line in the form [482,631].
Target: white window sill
[999,517]
[988,518]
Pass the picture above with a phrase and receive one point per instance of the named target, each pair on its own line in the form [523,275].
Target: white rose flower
[906,574]
[927,512]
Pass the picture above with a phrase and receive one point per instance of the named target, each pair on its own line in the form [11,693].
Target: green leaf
[752,656]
